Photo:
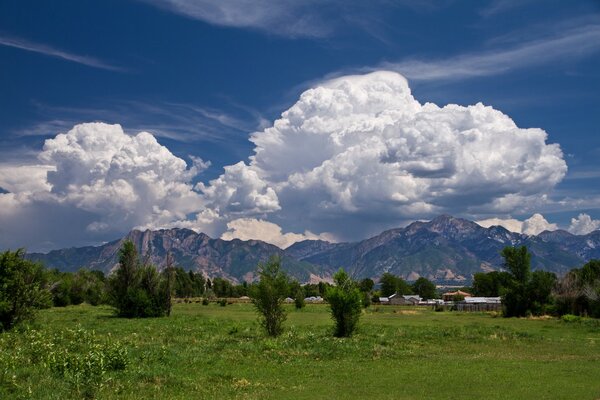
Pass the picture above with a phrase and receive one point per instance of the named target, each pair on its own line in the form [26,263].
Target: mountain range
[445,249]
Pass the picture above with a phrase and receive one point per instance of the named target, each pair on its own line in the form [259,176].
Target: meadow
[215,352]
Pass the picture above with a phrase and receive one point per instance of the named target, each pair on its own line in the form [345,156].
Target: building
[404,300]
[450,296]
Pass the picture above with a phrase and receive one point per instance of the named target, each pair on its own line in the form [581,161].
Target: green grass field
[213,352]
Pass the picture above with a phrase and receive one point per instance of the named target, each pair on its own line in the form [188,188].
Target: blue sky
[202,78]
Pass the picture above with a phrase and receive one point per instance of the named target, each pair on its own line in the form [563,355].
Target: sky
[293,120]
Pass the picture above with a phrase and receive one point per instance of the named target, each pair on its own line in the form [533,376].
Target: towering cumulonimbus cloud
[360,149]
[353,156]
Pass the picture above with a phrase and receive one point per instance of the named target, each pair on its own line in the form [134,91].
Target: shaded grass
[220,352]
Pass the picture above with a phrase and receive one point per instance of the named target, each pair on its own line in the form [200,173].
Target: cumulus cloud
[353,156]
[511,224]
[110,181]
[583,224]
[537,224]
[248,228]
[534,225]
[360,150]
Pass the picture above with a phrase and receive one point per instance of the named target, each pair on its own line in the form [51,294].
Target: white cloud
[354,155]
[359,153]
[248,228]
[104,181]
[24,178]
[287,18]
[240,190]
[23,44]
[537,224]
[568,45]
[583,224]
[534,225]
[511,224]
[293,18]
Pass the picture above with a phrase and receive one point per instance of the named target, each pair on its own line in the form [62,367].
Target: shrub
[268,295]
[299,300]
[22,289]
[222,302]
[345,304]
[138,290]
[570,318]
[205,301]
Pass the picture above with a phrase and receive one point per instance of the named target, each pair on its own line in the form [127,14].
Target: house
[483,300]
[407,299]
[450,296]
[384,300]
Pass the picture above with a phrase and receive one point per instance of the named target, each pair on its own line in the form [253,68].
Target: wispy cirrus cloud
[569,45]
[23,44]
[187,123]
[501,6]
[293,18]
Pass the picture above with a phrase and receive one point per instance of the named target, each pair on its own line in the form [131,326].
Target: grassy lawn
[213,352]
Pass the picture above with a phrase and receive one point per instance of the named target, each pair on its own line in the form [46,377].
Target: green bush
[205,302]
[222,302]
[138,290]
[268,295]
[22,289]
[570,318]
[299,299]
[345,302]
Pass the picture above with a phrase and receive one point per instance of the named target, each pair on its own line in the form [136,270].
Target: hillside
[445,249]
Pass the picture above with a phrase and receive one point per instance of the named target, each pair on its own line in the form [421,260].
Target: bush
[299,300]
[222,302]
[205,302]
[268,295]
[22,289]
[345,303]
[570,318]
[136,290]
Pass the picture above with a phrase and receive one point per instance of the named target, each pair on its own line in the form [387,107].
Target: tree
[366,285]
[578,292]
[424,288]
[137,290]
[268,295]
[539,291]
[391,284]
[345,302]
[299,299]
[22,289]
[517,262]
[491,284]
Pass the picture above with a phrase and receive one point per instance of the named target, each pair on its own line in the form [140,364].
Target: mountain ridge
[445,249]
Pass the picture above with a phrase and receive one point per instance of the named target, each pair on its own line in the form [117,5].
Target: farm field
[214,352]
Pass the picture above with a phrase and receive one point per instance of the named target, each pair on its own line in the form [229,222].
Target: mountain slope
[235,260]
[443,249]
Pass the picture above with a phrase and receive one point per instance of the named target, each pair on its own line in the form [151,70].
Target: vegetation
[22,289]
[491,284]
[75,288]
[137,290]
[345,303]
[391,284]
[424,288]
[299,299]
[209,352]
[578,292]
[517,262]
[268,296]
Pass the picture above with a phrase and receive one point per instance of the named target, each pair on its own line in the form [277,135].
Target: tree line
[137,289]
